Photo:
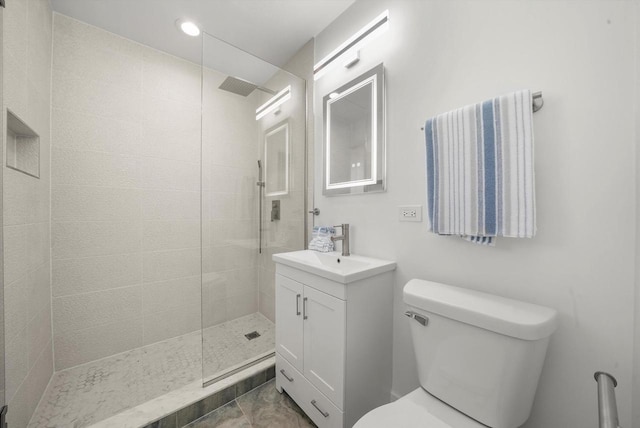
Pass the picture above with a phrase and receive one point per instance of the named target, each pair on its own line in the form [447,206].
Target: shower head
[260,183]
[241,87]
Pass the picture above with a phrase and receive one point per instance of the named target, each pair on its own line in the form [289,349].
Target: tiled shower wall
[230,202]
[125,194]
[27,87]
[286,234]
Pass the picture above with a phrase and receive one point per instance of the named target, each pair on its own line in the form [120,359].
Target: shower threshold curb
[181,406]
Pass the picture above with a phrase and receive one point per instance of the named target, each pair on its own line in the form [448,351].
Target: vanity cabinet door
[289,329]
[324,343]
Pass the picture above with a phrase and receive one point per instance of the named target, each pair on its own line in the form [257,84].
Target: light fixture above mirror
[349,48]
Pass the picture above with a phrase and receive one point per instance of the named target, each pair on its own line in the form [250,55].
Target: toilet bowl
[479,358]
[418,409]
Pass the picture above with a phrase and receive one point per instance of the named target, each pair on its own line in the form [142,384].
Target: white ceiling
[273,30]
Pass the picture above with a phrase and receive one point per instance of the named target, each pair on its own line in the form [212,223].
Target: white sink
[334,266]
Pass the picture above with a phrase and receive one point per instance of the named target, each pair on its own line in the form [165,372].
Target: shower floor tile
[225,345]
[86,394]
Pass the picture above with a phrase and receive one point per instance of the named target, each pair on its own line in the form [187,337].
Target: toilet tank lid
[499,314]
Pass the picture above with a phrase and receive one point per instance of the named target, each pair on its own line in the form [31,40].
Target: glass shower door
[247,104]
[2,377]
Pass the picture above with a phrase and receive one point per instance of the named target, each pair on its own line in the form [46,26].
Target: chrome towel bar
[607,407]
[536,101]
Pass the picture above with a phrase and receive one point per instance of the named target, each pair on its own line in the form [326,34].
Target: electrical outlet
[410,213]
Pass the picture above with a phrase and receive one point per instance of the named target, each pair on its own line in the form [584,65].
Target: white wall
[440,55]
[27,294]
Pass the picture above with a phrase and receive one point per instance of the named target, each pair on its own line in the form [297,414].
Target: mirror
[276,160]
[354,143]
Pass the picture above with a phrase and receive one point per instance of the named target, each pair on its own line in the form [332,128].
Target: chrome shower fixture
[259,183]
[242,87]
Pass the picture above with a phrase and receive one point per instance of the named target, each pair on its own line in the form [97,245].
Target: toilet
[479,358]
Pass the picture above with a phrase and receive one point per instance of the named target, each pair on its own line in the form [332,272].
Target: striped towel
[480,178]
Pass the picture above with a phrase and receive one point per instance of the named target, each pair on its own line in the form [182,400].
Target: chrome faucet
[344,238]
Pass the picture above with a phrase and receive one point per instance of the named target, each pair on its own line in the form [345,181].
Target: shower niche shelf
[23,146]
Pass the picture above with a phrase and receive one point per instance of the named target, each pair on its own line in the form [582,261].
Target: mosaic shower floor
[86,394]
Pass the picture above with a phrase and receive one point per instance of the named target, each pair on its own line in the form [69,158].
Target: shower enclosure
[253,172]
[137,257]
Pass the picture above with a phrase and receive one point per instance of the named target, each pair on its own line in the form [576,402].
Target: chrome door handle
[304,309]
[325,414]
[315,211]
[297,304]
[420,318]
[290,379]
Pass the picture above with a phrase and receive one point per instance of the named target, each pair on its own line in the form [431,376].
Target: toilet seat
[418,409]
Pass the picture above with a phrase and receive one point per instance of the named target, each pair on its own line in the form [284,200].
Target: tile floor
[83,395]
[263,407]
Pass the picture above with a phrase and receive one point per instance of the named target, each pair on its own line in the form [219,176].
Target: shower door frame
[3,381]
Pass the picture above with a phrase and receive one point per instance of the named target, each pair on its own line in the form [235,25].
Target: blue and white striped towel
[480,175]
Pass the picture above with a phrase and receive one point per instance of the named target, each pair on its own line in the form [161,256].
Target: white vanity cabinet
[312,337]
[334,336]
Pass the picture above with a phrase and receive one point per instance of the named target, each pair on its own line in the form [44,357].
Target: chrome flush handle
[420,318]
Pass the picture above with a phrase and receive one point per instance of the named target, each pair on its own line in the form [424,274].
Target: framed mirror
[354,136]
[276,160]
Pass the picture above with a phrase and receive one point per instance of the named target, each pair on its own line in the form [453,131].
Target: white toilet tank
[479,353]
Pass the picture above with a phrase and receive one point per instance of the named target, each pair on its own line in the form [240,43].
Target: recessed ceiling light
[189,28]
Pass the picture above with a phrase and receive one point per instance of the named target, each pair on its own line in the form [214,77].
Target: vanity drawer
[315,404]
